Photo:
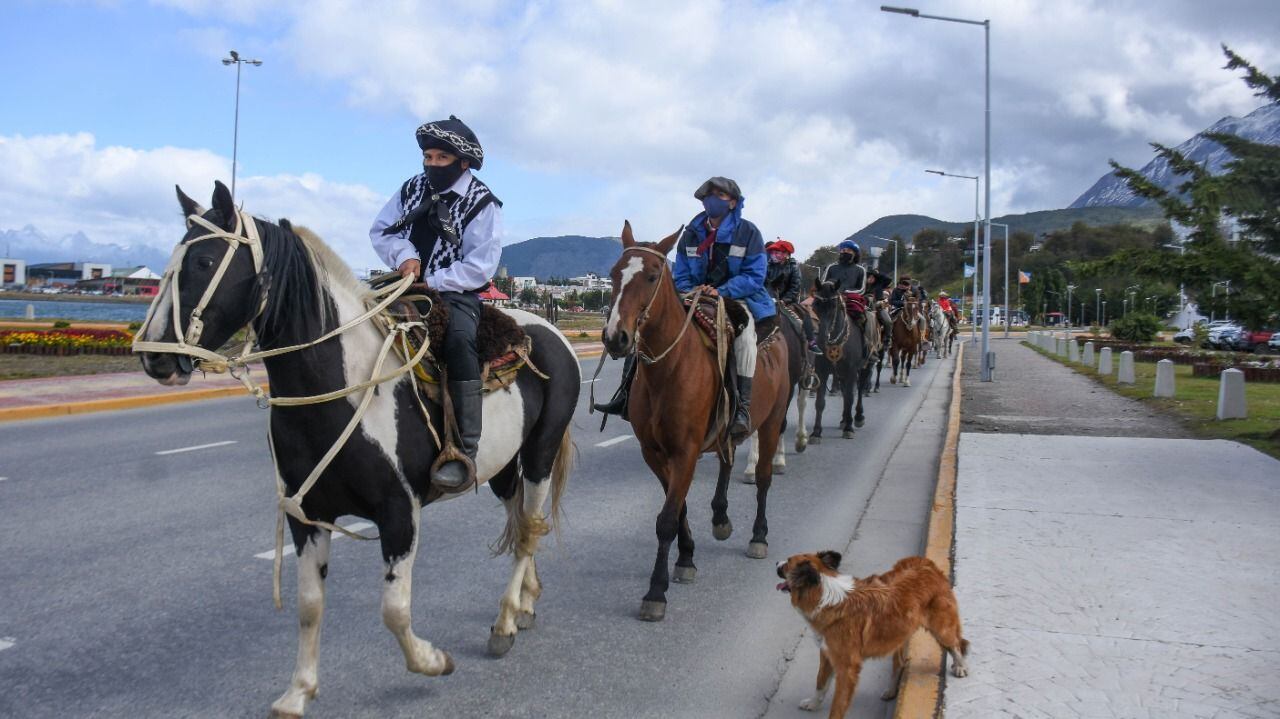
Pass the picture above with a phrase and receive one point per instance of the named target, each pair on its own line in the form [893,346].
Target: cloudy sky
[827,113]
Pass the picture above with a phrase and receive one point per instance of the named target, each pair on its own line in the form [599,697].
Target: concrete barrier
[1104,361]
[1164,378]
[1125,375]
[1073,351]
[31,312]
[1088,355]
[1231,403]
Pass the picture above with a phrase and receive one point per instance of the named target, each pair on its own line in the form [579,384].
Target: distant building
[590,280]
[65,274]
[13,273]
[519,283]
[128,281]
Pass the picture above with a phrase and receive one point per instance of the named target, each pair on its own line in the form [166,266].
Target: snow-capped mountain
[34,246]
[1261,125]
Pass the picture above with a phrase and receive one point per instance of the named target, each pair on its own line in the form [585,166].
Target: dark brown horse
[905,341]
[673,405]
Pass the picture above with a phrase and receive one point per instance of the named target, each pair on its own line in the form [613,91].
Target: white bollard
[1164,378]
[1104,361]
[31,312]
[1231,404]
[1125,375]
[1088,355]
[1062,346]
[1073,351]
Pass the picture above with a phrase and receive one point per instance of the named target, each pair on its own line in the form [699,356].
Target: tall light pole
[1104,313]
[1006,276]
[976,219]
[1097,305]
[1070,289]
[236,60]
[895,257]
[1128,292]
[986,254]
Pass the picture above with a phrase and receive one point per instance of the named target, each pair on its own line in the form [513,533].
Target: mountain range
[565,256]
[34,246]
[1261,126]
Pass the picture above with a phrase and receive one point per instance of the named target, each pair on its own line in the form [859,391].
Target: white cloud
[64,184]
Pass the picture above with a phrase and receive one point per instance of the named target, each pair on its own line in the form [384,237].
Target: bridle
[644,313]
[843,334]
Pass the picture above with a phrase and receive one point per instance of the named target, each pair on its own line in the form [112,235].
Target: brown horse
[673,405]
[906,341]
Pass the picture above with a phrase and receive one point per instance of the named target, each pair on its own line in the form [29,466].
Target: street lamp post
[976,219]
[1097,304]
[895,257]
[1213,293]
[236,60]
[986,264]
[1104,313]
[1006,276]
[1128,291]
[1057,303]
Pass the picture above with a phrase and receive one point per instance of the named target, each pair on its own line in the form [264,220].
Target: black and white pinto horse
[943,332]
[800,374]
[843,358]
[301,291]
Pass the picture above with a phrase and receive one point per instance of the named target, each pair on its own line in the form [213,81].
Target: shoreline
[105,299]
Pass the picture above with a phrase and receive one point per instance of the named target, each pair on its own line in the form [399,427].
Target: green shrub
[135,326]
[1136,327]
[583,334]
[1200,335]
[61,325]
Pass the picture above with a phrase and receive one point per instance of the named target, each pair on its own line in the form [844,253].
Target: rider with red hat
[782,279]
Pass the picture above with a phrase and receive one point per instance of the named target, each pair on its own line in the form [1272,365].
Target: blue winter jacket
[747,263]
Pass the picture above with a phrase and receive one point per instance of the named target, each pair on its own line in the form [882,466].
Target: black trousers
[460,355]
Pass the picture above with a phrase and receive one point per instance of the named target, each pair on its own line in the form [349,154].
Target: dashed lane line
[6,642]
[196,447]
[615,440]
[288,548]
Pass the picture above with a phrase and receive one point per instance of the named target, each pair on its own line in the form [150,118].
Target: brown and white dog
[857,619]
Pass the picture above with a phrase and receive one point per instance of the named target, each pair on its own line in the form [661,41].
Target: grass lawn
[21,366]
[1196,402]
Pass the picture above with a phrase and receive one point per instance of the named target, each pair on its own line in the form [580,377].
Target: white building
[13,273]
[590,280]
[519,283]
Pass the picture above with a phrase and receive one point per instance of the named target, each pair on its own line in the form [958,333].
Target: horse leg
[531,525]
[858,418]
[879,369]
[685,571]
[721,527]
[753,453]
[769,435]
[820,403]
[906,369]
[312,546]
[780,456]
[846,407]
[893,365]
[802,436]
[398,528]
[678,474]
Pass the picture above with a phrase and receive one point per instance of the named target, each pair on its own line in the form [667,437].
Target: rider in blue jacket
[722,254]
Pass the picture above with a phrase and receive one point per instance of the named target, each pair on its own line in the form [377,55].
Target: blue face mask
[715,206]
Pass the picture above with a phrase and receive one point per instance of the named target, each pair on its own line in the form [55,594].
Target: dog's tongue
[782,587]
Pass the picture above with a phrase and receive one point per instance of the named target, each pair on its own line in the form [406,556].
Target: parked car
[1222,334]
[1274,342]
[1186,336]
[1252,340]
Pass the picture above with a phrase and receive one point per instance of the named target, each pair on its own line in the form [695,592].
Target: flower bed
[66,342]
[1251,374]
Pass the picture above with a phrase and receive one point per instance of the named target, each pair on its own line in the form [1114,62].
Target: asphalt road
[130,584]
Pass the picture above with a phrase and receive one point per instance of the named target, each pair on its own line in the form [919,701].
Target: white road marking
[196,447]
[2,479]
[587,381]
[6,642]
[288,547]
[615,440]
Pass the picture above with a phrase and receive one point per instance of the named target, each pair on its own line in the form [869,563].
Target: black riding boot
[741,427]
[618,405]
[467,400]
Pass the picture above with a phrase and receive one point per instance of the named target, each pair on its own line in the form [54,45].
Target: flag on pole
[1023,277]
[968,270]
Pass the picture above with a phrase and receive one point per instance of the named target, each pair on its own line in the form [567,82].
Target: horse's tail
[520,526]
[561,468]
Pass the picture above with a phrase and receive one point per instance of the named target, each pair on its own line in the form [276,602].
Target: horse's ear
[189,206]
[665,245]
[835,286]
[223,203]
[628,239]
[817,283]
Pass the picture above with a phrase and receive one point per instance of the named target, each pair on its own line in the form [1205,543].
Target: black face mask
[442,177]
[846,258]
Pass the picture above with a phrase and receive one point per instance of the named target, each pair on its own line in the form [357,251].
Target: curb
[920,695]
[41,411]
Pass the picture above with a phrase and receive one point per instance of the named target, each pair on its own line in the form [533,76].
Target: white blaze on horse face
[633,268]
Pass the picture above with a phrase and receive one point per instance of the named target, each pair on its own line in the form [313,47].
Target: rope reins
[237,365]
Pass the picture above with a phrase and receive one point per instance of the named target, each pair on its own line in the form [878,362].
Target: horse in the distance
[904,343]
[675,405]
[800,374]
[232,271]
[943,332]
[843,358]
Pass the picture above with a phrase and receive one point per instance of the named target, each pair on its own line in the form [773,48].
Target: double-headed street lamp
[976,219]
[895,257]
[236,60]
[986,264]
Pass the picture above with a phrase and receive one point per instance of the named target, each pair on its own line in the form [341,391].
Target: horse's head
[214,285]
[637,278]
[829,306]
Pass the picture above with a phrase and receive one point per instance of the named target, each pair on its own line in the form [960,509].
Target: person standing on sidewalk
[445,226]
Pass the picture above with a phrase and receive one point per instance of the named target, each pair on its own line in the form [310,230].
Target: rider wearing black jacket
[782,279]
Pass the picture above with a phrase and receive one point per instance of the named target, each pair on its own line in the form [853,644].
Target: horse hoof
[779,469]
[906,383]
[684,575]
[525,620]
[847,434]
[817,439]
[859,422]
[893,380]
[499,645]
[801,446]
[749,478]
[722,531]
[651,611]
[449,666]
[757,550]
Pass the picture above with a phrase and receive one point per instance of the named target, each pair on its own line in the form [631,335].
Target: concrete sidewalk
[1109,576]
